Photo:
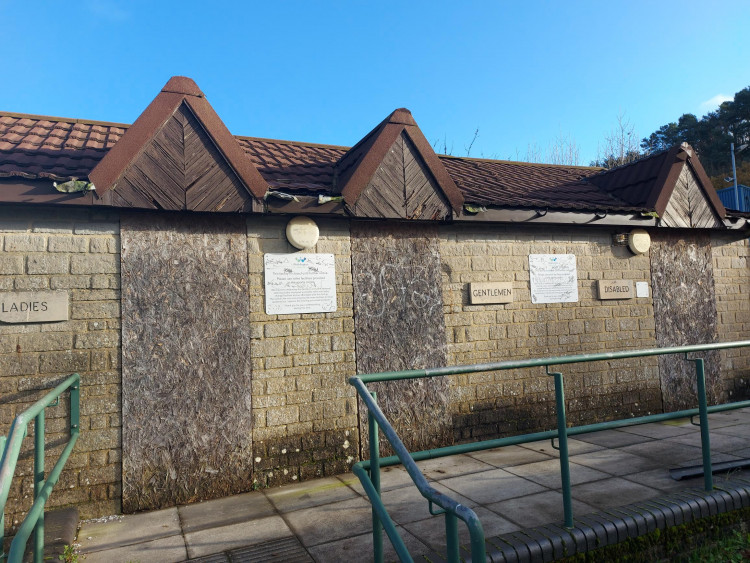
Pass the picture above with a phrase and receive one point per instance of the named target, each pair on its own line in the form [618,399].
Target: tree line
[711,136]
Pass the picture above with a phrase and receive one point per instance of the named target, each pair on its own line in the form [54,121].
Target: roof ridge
[521,162]
[288,142]
[63,119]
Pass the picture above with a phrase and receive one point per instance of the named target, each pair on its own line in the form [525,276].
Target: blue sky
[523,73]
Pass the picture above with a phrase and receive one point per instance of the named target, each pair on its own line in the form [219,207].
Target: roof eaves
[129,147]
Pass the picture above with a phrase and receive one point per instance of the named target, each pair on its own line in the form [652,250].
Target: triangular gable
[178,155]
[394,173]
[682,171]
[688,207]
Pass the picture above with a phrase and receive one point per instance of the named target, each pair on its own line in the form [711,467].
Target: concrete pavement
[510,488]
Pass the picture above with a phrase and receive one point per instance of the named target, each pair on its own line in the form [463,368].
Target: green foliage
[69,555]
[735,547]
[710,136]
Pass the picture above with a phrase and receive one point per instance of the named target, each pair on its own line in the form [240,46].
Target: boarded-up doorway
[399,324]
[685,313]
[186,379]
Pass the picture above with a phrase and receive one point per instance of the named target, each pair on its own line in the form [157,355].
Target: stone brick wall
[304,411]
[517,401]
[731,262]
[76,251]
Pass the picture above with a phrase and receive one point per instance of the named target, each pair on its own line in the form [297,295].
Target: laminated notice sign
[553,277]
[299,283]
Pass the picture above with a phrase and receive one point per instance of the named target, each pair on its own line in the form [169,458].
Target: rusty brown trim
[111,168]
[183,85]
[40,192]
[228,146]
[368,164]
[666,181]
[436,168]
[178,89]
[707,187]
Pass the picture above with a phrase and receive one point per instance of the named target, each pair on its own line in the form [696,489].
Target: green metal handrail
[34,521]
[368,471]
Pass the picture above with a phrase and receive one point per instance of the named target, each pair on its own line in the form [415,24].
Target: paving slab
[509,455]
[225,511]
[537,509]
[616,462]
[547,473]
[575,446]
[128,529]
[664,451]
[491,486]
[309,493]
[431,531]
[660,479]
[612,438]
[408,505]
[719,442]
[658,430]
[442,467]
[612,492]
[331,521]
[392,477]
[225,538]
[359,548]
[164,550]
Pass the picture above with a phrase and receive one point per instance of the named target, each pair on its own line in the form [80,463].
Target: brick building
[192,387]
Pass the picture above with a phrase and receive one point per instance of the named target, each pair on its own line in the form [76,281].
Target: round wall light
[639,241]
[302,232]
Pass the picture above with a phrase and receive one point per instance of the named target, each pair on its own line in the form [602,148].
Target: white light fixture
[639,241]
[302,232]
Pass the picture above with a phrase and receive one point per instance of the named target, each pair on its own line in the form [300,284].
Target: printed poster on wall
[554,278]
[299,283]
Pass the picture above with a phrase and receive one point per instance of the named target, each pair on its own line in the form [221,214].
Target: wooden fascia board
[436,168]
[666,181]
[707,187]
[110,168]
[562,218]
[368,164]
[228,146]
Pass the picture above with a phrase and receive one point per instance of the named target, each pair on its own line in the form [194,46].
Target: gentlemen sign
[616,289]
[34,307]
[490,292]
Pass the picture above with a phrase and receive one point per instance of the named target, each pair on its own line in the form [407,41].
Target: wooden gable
[181,169]
[177,156]
[402,188]
[393,173]
[689,206]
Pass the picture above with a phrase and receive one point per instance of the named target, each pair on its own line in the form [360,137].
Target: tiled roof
[521,184]
[293,166]
[57,148]
[49,147]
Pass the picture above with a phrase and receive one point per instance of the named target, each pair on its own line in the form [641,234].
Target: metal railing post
[3,555]
[377,528]
[562,441]
[451,537]
[39,483]
[700,373]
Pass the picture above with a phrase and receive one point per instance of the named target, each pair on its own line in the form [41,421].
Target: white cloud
[715,102]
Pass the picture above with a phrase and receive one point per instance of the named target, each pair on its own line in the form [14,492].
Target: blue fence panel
[726,195]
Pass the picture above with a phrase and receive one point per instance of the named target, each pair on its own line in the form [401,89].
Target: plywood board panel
[682,282]
[399,324]
[186,374]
